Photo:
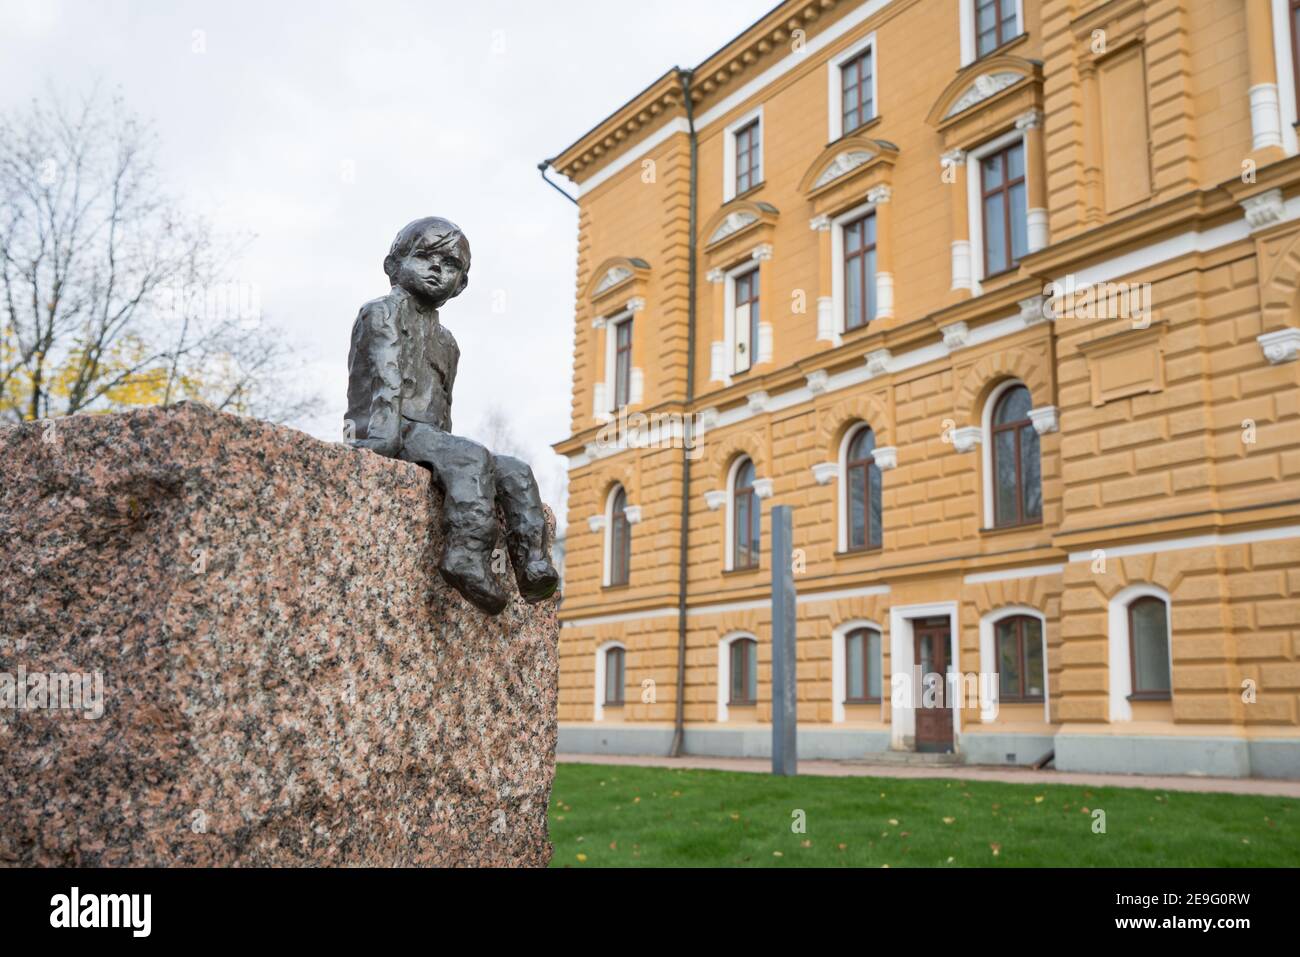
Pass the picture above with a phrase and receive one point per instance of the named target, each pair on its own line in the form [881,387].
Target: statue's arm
[375,356]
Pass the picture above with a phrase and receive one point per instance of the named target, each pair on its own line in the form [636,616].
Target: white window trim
[729,549]
[1121,678]
[837,264]
[729,151]
[611,352]
[843,491]
[989,658]
[966,19]
[724,670]
[902,720]
[600,674]
[1285,76]
[839,686]
[975,210]
[986,446]
[834,84]
[607,576]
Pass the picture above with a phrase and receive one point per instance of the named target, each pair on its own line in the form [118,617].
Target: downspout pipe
[688,427]
[543,166]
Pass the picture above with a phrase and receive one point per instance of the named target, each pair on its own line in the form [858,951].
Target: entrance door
[933,710]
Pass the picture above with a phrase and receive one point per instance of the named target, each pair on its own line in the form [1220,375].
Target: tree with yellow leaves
[111,297]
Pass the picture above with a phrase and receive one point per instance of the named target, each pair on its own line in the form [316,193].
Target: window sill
[998,51]
[620,586]
[865,550]
[1006,529]
[1002,700]
[749,192]
[849,702]
[616,705]
[747,570]
[1151,696]
[861,127]
[742,704]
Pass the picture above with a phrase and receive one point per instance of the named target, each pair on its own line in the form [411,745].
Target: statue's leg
[463,470]
[525,529]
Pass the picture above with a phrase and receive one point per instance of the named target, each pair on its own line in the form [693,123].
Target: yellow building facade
[1003,298]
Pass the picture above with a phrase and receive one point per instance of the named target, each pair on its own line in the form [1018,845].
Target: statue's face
[434,269]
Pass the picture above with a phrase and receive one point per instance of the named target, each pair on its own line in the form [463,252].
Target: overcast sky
[323,127]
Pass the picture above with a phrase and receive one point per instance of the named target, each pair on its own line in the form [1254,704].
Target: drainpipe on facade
[688,427]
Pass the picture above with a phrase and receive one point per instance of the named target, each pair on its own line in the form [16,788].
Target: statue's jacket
[401,366]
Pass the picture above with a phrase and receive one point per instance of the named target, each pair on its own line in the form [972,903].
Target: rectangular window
[859,272]
[996,23]
[1020,659]
[744,672]
[1003,205]
[1148,623]
[614,676]
[745,320]
[748,173]
[856,84]
[862,667]
[622,363]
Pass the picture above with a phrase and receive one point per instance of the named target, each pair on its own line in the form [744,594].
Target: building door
[930,638]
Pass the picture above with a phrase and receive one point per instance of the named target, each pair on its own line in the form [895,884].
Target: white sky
[435,107]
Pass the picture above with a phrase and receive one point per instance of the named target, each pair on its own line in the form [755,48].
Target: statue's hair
[412,232]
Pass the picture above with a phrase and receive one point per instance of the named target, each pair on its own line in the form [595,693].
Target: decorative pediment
[736,217]
[616,273]
[980,82]
[845,159]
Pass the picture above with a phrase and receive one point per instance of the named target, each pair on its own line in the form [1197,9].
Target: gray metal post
[784,716]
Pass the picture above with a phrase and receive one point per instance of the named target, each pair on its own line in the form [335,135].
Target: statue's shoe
[472,577]
[537,580]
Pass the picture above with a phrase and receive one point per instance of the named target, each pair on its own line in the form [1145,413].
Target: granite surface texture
[286,680]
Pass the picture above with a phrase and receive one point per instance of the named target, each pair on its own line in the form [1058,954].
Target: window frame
[864,632]
[748,144]
[975,203]
[620,552]
[622,363]
[869,56]
[750,278]
[999,40]
[1004,189]
[834,86]
[621,653]
[995,400]
[730,166]
[1021,657]
[1148,694]
[753,507]
[870,292]
[748,648]
[867,465]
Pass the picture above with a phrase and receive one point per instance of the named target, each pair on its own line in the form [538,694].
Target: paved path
[1010,775]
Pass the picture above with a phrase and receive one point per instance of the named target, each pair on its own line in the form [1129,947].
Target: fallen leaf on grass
[996,849]
[949,820]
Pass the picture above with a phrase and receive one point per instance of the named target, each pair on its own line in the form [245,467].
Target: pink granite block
[286,679]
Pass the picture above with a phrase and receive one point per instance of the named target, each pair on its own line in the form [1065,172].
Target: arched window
[744,672]
[862,666]
[1017,473]
[1019,659]
[614,676]
[620,539]
[862,488]
[746,518]
[1148,630]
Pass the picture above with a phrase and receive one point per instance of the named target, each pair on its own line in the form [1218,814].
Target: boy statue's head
[430,260]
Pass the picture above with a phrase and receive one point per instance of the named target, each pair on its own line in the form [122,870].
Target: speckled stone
[287,680]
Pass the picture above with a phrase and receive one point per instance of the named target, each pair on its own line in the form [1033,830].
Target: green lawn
[606,816]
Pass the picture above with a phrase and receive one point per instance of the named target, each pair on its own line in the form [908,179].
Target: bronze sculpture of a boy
[401,369]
